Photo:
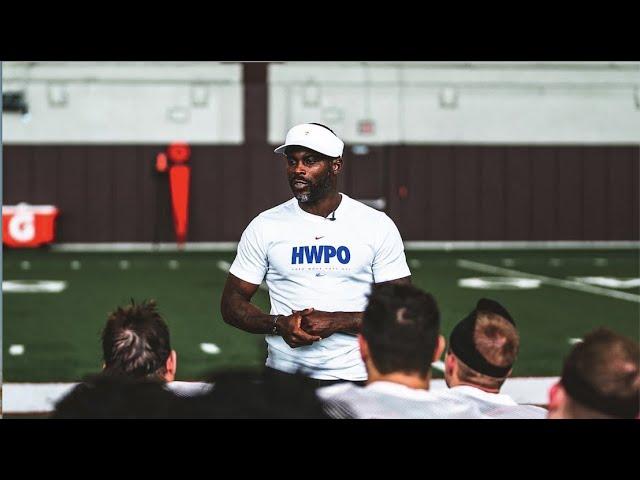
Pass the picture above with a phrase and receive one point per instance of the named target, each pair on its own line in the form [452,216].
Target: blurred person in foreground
[398,342]
[114,396]
[600,379]
[249,394]
[483,348]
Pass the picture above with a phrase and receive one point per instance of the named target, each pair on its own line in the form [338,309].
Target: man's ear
[336,165]
[557,398]
[364,348]
[439,348]
[449,363]
[171,366]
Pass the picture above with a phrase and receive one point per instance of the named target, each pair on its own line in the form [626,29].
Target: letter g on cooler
[22,227]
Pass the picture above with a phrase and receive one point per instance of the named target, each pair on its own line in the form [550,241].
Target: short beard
[317,191]
[302,197]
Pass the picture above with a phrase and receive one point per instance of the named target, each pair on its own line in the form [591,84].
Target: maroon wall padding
[544,198]
[112,193]
[517,193]
[594,193]
[467,190]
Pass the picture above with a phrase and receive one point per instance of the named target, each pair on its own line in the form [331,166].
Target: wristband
[274,331]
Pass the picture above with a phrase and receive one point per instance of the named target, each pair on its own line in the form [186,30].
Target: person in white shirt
[319,253]
[482,350]
[399,340]
[600,379]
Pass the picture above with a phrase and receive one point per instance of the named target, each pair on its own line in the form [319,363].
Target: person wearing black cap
[318,253]
[482,350]
[600,379]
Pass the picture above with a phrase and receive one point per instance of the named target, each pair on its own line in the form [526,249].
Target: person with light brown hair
[483,348]
[600,379]
[136,344]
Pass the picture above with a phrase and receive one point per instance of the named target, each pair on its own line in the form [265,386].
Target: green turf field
[60,332]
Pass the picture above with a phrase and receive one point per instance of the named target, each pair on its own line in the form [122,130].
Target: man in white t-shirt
[399,340]
[482,350]
[319,253]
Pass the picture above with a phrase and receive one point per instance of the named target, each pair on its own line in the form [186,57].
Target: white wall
[504,103]
[125,102]
[151,102]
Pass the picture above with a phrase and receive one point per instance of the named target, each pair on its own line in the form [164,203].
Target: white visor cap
[314,137]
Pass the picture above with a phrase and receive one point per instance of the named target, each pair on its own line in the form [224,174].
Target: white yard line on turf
[16,349]
[556,282]
[41,397]
[210,348]
[146,247]
[409,245]
[521,245]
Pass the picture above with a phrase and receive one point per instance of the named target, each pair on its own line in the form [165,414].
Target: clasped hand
[305,327]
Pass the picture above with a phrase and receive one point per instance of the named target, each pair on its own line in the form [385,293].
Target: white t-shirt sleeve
[389,262]
[251,261]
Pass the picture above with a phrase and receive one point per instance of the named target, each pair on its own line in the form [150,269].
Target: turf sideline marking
[438,365]
[409,245]
[225,266]
[611,282]
[499,283]
[41,397]
[556,282]
[33,286]
[210,348]
[16,349]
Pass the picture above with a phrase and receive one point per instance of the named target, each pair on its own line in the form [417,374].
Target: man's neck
[323,206]
[408,380]
[460,383]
